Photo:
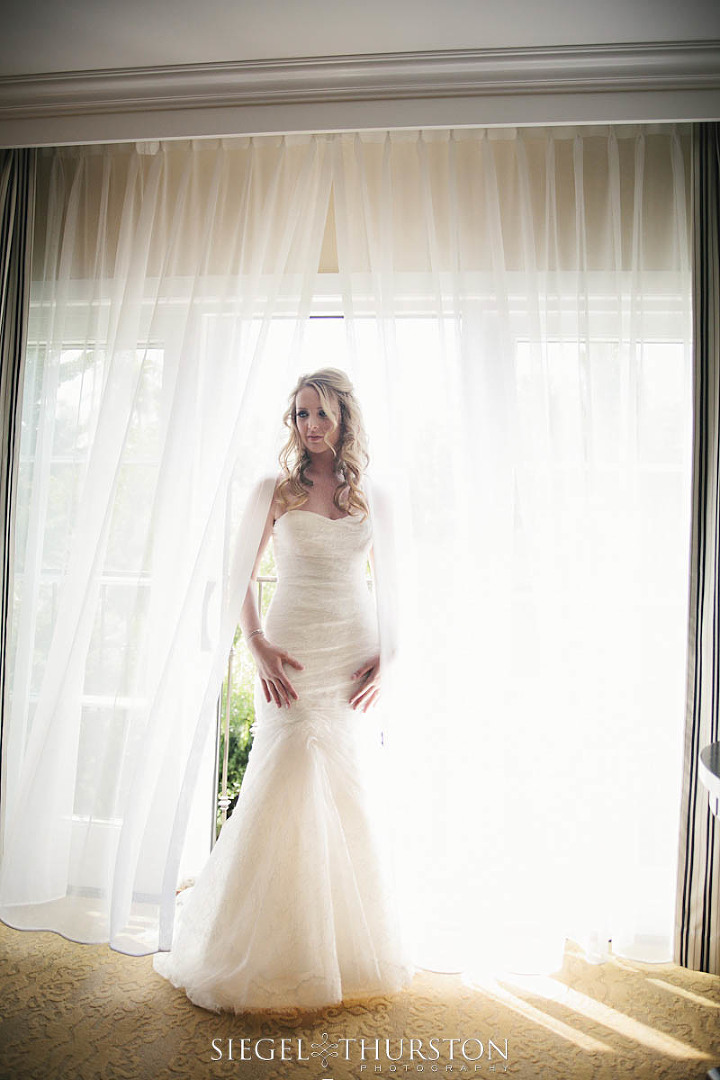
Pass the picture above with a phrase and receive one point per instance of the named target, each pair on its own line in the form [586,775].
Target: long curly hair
[337,397]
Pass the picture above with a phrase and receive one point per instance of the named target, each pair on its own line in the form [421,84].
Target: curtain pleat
[697,940]
[17,202]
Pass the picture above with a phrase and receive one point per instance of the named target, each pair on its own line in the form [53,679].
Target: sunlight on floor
[553,990]
[518,1005]
[697,999]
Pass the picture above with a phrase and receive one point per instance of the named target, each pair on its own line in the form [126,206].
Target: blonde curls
[351,457]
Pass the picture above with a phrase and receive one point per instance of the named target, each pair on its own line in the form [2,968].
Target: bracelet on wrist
[258,631]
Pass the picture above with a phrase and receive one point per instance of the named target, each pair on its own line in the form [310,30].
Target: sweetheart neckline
[314,513]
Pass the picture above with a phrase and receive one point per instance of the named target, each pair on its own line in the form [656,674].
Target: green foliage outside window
[242,709]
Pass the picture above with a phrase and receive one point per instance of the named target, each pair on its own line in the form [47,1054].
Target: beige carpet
[83,1012]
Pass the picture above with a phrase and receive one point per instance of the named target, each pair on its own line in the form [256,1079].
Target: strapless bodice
[312,550]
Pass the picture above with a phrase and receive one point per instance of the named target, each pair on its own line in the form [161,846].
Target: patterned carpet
[83,1012]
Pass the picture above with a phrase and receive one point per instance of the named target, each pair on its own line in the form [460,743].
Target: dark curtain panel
[697,938]
[17,202]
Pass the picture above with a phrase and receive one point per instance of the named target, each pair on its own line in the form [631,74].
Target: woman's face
[314,423]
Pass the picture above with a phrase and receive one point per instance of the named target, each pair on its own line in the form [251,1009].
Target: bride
[294,906]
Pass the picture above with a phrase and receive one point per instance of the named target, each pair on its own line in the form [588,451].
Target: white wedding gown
[294,906]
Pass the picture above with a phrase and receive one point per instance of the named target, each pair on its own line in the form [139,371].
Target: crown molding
[394,76]
[691,68]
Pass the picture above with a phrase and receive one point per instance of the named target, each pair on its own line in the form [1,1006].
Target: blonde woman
[294,907]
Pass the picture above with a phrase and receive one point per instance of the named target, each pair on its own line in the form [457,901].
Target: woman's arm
[269,659]
[368,691]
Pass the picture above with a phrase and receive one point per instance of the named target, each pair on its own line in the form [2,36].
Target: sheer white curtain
[165,277]
[517,306]
[516,313]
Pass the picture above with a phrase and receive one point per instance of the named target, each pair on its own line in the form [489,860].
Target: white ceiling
[73,35]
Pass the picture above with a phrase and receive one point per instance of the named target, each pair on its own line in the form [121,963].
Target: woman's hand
[369,690]
[269,660]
